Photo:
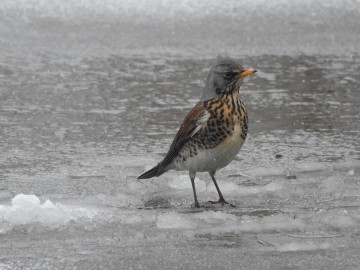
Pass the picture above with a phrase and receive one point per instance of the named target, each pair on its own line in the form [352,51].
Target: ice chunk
[26,201]
[28,210]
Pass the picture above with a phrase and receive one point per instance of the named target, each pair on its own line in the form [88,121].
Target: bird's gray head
[224,78]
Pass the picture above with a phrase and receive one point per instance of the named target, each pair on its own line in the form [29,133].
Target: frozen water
[191,28]
[92,92]
[175,221]
[308,246]
[27,210]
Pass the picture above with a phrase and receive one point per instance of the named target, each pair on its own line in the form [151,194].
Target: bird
[214,130]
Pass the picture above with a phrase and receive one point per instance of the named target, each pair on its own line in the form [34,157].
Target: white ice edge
[28,209]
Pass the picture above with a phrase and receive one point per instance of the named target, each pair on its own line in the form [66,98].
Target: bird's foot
[223,202]
[196,205]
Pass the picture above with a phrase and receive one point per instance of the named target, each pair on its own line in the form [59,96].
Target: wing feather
[194,121]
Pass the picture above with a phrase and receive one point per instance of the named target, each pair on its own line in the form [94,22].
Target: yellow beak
[247,72]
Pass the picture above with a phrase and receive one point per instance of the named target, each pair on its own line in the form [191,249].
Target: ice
[4,195]
[314,166]
[308,246]
[25,201]
[273,223]
[234,189]
[217,222]
[266,76]
[28,210]
[118,200]
[93,92]
[215,215]
[202,220]
[115,112]
[157,26]
[264,171]
[336,219]
[175,221]
[184,182]
[168,8]
[131,218]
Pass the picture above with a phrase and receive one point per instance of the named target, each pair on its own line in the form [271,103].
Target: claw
[223,202]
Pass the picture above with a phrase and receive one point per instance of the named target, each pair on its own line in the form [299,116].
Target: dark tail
[156,171]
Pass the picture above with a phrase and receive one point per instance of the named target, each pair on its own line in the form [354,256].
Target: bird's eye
[218,90]
[228,75]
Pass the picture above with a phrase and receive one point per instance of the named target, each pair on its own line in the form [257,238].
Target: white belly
[216,158]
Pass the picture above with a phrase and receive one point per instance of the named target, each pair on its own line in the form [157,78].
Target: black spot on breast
[227,122]
[222,113]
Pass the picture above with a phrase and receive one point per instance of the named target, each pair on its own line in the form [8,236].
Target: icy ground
[92,92]
[307,222]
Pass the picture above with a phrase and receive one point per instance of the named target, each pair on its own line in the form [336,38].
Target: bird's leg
[192,177]
[221,197]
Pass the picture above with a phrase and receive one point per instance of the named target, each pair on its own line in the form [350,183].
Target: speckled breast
[220,140]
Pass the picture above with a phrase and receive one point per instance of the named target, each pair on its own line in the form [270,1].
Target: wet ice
[92,93]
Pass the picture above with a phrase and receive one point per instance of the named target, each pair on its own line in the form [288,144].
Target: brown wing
[193,122]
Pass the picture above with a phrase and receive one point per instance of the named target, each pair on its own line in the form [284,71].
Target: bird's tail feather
[156,171]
